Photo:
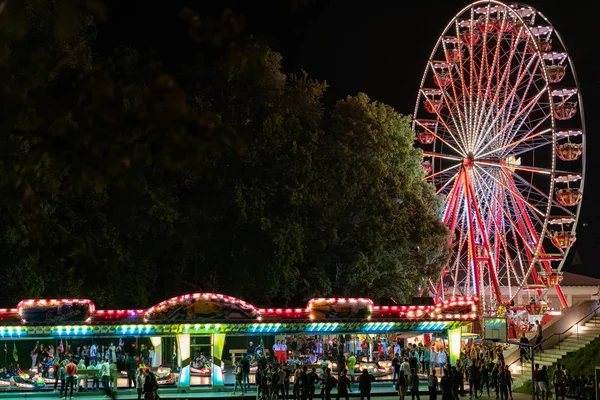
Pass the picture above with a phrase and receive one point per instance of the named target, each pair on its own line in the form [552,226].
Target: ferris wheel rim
[512,9]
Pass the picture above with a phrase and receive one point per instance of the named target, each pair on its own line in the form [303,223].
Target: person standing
[523,350]
[485,379]
[402,385]
[130,367]
[432,384]
[351,367]
[250,349]
[34,355]
[414,384]
[395,369]
[473,379]
[277,351]
[238,373]
[446,385]
[139,382]
[93,352]
[105,373]
[245,363]
[62,375]
[71,372]
[544,383]
[558,379]
[426,360]
[442,359]
[433,359]
[283,349]
[364,384]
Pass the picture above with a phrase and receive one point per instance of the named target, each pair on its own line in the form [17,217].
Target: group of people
[43,356]
[565,384]
[273,381]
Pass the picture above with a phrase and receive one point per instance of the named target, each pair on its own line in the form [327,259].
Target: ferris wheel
[500,120]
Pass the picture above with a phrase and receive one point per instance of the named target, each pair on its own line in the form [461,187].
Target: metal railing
[560,335]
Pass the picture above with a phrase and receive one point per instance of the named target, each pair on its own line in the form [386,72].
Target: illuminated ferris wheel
[500,120]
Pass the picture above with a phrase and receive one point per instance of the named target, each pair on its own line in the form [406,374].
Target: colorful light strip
[241,328]
[441,310]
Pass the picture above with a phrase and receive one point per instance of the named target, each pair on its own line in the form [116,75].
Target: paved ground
[380,391]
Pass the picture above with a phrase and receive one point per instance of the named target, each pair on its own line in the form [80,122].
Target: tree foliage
[125,184]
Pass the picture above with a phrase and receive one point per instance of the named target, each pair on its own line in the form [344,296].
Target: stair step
[541,362]
[570,345]
[586,334]
[556,351]
[575,340]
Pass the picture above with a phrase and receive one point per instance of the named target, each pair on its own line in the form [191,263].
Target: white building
[576,288]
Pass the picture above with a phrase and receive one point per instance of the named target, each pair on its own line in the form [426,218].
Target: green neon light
[222,328]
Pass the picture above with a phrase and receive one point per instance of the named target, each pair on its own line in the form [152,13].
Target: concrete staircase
[577,338]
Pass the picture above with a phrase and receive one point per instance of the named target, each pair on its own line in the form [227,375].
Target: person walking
[402,385]
[502,384]
[414,384]
[343,386]
[330,383]
[540,336]
[432,385]
[364,384]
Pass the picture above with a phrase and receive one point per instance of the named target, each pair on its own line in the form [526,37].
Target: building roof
[571,279]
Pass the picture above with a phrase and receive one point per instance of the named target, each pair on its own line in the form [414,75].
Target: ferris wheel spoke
[441,120]
[549,199]
[441,172]
[502,79]
[516,143]
[492,141]
[455,99]
[445,185]
[530,82]
[514,193]
[438,137]
[500,237]
[507,216]
[519,167]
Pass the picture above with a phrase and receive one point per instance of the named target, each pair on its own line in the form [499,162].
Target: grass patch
[581,362]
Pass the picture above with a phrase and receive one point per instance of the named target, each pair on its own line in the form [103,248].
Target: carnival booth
[195,339]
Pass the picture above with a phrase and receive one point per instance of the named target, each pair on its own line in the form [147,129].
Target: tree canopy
[128,182]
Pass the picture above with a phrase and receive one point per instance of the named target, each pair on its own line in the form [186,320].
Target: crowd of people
[565,384]
[83,368]
[286,376]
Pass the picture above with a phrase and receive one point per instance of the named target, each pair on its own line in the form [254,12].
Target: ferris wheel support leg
[491,267]
[451,212]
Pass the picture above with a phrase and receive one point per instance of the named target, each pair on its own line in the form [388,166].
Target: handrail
[567,330]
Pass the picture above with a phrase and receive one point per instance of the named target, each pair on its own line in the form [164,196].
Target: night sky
[378,47]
